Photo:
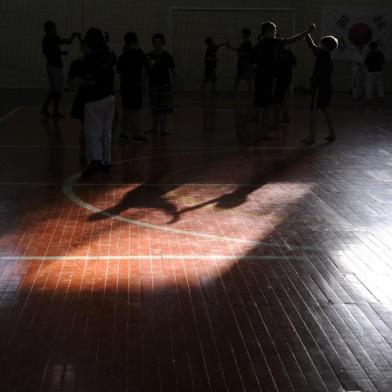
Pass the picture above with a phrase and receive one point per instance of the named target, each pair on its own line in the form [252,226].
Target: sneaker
[166,133]
[123,138]
[308,141]
[92,168]
[330,139]
[139,139]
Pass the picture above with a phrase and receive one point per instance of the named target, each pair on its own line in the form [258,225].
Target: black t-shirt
[52,50]
[245,54]
[159,74]
[210,58]
[98,68]
[374,61]
[130,66]
[266,55]
[323,68]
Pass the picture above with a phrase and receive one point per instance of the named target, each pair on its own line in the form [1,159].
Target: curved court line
[69,192]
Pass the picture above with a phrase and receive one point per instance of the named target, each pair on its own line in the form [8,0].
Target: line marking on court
[190,148]
[9,114]
[129,184]
[69,192]
[152,257]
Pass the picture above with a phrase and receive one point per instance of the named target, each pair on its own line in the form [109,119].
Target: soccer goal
[189,27]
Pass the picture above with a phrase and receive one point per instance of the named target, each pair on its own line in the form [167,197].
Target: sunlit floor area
[205,261]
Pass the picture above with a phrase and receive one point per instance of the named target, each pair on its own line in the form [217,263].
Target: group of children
[269,63]
[93,77]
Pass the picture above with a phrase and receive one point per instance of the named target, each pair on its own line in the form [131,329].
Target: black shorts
[132,97]
[321,96]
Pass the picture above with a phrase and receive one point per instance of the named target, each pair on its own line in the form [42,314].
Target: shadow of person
[142,197]
[240,194]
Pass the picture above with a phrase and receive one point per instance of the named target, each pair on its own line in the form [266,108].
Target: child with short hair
[321,85]
[51,48]
[266,58]
[374,62]
[99,100]
[211,63]
[131,66]
[161,76]
[244,64]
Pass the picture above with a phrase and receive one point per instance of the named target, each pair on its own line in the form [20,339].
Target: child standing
[51,48]
[131,66]
[321,85]
[244,63]
[266,78]
[374,62]
[286,63]
[99,109]
[161,75]
[211,63]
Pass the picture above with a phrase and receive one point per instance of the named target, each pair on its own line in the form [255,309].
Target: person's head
[131,39]
[210,41]
[50,27]
[373,46]
[268,29]
[329,43]
[106,36]
[94,39]
[158,41]
[246,33]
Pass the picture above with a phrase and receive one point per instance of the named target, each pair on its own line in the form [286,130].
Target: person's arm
[222,44]
[298,37]
[309,40]
[68,41]
[231,47]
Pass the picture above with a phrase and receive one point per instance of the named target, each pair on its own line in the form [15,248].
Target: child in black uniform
[161,76]
[286,63]
[211,63]
[132,69]
[266,59]
[374,62]
[321,85]
[51,48]
[244,63]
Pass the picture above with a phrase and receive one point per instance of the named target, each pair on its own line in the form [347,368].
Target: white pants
[375,82]
[98,122]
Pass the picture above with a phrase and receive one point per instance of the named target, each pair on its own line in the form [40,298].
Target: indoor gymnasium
[195,196]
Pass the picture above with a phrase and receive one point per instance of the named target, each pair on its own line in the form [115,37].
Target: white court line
[9,114]
[130,184]
[190,148]
[150,257]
